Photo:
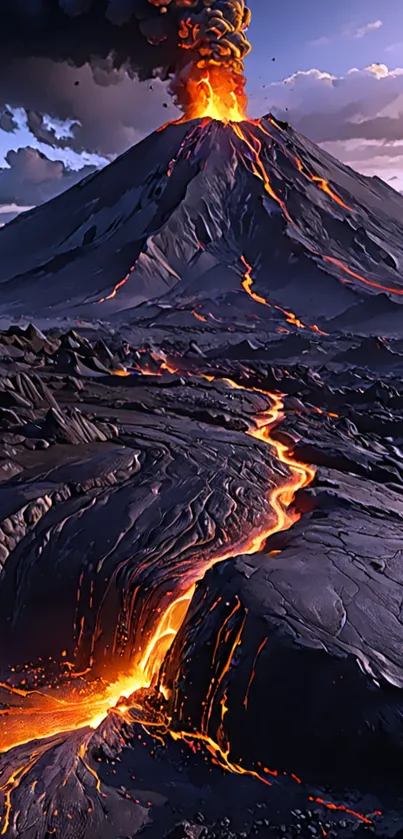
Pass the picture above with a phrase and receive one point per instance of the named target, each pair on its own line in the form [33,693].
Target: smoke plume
[148,37]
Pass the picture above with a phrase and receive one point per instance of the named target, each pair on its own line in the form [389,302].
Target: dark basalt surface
[118,490]
[117,487]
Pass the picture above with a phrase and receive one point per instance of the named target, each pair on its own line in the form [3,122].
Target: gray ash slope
[164,231]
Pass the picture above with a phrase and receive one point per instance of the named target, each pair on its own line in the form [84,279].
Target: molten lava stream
[44,714]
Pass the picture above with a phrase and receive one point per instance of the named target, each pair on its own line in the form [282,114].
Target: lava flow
[247,284]
[46,714]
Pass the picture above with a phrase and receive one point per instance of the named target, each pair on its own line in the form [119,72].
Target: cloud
[395,47]
[10,211]
[350,31]
[107,109]
[361,31]
[146,37]
[320,42]
[30,178]
[7,120]
[357,117]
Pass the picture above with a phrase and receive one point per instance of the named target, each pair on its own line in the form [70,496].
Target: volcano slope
[173,223]
[201,497]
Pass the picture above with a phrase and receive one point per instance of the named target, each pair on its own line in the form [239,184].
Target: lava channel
[47,712]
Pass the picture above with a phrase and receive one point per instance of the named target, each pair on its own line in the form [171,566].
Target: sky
[336,76]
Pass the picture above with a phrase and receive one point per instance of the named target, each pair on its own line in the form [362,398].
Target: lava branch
[255,148]
[90,707]
[216,91]
[247,284]
[149,670]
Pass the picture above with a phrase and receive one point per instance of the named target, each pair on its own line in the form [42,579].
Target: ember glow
[42,714]
[215,92]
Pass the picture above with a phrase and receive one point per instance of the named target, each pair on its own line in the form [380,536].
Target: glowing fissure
[146,672]
[247,284]
[279,501]
[255,147]
[322,184]
[64,713]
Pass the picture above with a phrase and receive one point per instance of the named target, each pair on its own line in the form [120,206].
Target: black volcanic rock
[318,669]
[212,479]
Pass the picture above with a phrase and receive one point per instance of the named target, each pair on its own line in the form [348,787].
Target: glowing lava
[62,714]
[280,502]
[44,714]
[247,284]
[215,92]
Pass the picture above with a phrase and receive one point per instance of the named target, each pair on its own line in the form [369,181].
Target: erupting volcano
[201,479]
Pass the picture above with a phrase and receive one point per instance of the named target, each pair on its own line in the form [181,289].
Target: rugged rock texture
[318,668]
[128,468]
[143,480]
[164,233]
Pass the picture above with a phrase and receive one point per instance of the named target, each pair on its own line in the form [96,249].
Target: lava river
[47,712]
[37,714]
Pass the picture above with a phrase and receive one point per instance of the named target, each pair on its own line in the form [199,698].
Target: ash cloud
[146,36]
[76,61]
[31,178]
[7,121]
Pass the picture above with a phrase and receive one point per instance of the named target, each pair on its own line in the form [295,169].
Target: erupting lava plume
[215,93]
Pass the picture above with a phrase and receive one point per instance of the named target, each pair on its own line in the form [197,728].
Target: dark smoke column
[150,37]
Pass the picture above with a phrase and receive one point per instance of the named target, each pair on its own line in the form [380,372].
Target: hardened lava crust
[201,497]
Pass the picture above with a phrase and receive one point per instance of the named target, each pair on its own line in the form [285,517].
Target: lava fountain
[213,92]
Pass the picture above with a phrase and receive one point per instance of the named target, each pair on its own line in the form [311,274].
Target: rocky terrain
[201,495]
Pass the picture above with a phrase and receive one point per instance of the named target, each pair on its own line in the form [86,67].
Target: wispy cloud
[320,42]
[357,117]
[395,47]
[14,208]
[362,31]
[352,31]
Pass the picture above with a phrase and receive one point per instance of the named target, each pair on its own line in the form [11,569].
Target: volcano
[201,495]
[174,225]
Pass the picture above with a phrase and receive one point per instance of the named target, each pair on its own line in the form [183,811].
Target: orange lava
[360,277]
[44,714]
[198,316]
[216,92]
[118,286]
[247,284]
[322,184]
[255,147]
[343,809]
